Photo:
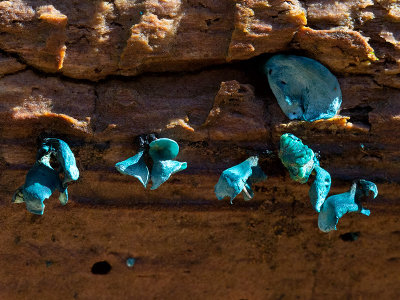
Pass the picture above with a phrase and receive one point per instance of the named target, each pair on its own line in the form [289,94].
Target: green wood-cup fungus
[162,152]
[42,180]
[163,169]
[163,149]
[336,206]
[319,188]
[301,162]
[239,179]
[298,159]
[304,88]
[64,157]
[135,166]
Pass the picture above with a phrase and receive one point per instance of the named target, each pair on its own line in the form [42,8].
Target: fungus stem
[246,192]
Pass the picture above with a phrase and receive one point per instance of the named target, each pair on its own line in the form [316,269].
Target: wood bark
[97,74]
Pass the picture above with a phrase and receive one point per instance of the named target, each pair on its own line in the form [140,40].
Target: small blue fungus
[64,156]
[366,189]
[140,13]
[336,206]
[130,262]
[42,180]
[163,169]
[319,188]
[297,157]
[239,179]
[304,88]
[135,166]
[162,151]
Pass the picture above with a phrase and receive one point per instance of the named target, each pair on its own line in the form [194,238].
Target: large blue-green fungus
[336,206]
[162,152]
[239,179]
[42,179]
[298,159]
[301,162]
[304,88]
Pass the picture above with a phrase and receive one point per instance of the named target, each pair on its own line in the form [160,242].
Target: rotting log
[97,74]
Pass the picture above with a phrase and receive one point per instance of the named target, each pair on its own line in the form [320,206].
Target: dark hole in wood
[358,114]
[101,268]
[350,236]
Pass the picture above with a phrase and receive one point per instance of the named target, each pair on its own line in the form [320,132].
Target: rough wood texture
[67,70]
[93,39]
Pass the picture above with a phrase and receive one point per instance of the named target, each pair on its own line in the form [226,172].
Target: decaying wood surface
[97,74]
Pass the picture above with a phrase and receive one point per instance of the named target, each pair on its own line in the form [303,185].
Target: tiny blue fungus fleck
[135,166]
[130,262]
[336,206]
[319,188]
[297,157]
[162,151]
[239,179]
[304,88]
[42,179]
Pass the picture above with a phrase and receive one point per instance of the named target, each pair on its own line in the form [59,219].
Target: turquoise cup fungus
[64,157]
[336,206]
[319,188]
[304,88]
[162,151]
[298,159]
[301,162]
[135,166]
[163,169]
[239,179]
[42,180]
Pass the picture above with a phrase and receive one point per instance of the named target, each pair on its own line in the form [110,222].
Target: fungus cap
[304,88]
[163,149]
